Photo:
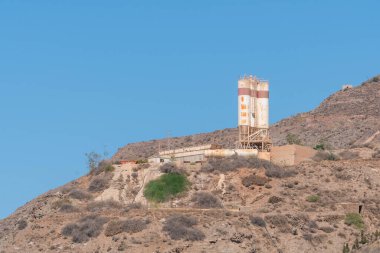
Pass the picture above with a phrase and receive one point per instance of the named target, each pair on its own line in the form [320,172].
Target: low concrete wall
[289,155]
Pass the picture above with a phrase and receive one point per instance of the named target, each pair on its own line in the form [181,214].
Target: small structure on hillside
[289,155]
[346,87]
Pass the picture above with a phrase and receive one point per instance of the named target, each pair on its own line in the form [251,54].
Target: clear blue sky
[77,76]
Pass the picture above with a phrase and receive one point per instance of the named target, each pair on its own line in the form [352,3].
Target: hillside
[345,119]
[227,205]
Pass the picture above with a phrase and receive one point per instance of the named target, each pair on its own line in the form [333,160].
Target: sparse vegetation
[79,194]
[68,208]
[180,227]
[141,161]
[324,155]
[100,183]
[312,198]
[166,186]
[354,219]
[254,180]
[232,163]
[280,222]
[84,229]
[129,226]
[206,200]
[293,139]
[98,206]
[171,168]
[64,205]
[257,221]
[105,166]
[347,155]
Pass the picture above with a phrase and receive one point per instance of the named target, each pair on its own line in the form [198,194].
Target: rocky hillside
[348,118]
[232,207]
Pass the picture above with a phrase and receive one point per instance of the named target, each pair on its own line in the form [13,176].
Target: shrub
[129,226]
[63,205]
[293,139]
[254,180]
[274,200]
[170,168]
[100,183]
[85,228]
[206,200]
[312,198]
[79,194]
[275,171]
[98,206]
[22,224]
[166,186]
[258,221]
[105,166]
[141,161]
[280,222]
[327,229]
[181,227]
[354,219]
[320,146]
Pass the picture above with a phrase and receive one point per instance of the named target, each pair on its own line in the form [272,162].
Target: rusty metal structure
[253,111]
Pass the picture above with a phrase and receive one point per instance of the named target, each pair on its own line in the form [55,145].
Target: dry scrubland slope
[230,205]
[345,119]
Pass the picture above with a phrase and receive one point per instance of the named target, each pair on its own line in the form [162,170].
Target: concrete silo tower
[253,95]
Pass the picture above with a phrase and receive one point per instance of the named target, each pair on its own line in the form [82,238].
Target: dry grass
[100,182]
[171,168]
[84,229]
[130,226]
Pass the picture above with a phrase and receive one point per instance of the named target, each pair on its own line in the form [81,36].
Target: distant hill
[345,119]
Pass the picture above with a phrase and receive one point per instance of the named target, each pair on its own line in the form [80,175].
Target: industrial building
[253,124]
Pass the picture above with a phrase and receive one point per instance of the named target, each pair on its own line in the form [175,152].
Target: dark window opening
[360,208]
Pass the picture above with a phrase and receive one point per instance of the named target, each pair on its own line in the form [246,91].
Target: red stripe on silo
[244,91]
[254,93]
[262,94]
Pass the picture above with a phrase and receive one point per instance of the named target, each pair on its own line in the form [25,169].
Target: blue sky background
[77,76]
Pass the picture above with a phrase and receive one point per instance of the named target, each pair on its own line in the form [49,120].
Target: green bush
[354,219]
[312,198]
[166,186]
[320,146]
